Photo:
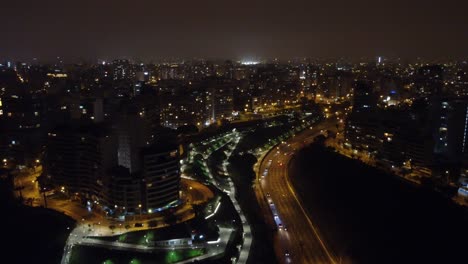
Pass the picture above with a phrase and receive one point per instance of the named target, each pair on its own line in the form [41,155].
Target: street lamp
[45,197]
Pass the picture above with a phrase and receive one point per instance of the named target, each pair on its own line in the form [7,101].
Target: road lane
[301,239]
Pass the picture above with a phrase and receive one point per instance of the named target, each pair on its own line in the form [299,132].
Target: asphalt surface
[298,240]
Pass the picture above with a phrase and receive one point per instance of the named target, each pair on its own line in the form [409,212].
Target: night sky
[233,29]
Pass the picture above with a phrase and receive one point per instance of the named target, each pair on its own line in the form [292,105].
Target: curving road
[298,240]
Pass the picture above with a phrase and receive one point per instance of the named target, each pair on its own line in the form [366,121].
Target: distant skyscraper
[379,60]
[176,107]
[220,102]
[363,126]
[122,70]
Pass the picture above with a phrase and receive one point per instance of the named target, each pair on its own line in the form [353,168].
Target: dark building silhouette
[160,175]
[429,80]
[364,99]
[363,123]
[78,159]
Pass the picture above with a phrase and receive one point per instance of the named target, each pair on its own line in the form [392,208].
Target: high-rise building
[161,176]
[78,158]
[175,105]
[134,132]
[364,99]
[21,126]
[363,131]
[220,103]
[122,70]
[340,85]
[450,138]
[363,126]
[125,191]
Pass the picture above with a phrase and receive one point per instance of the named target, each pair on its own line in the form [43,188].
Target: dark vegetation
[369,216]
[241,169]
[37,234]
[31,234]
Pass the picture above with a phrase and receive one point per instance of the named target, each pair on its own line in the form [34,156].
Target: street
[298,239]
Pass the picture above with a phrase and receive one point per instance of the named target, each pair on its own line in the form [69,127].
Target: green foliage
[242,167]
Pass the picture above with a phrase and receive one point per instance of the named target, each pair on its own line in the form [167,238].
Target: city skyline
[200,159]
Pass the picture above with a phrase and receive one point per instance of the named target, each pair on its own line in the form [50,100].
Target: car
[286,253]
[268,194]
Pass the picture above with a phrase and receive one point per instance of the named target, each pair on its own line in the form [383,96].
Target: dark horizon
[153,30]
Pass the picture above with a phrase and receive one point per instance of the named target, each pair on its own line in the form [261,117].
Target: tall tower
[161,176]
[133,134]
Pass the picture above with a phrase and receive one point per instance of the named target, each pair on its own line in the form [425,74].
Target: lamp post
[45,197]
[37,165]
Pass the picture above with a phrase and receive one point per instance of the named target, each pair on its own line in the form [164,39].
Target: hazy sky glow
[242,28]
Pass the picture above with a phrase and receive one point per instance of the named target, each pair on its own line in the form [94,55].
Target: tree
[320,140]
[187,129]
